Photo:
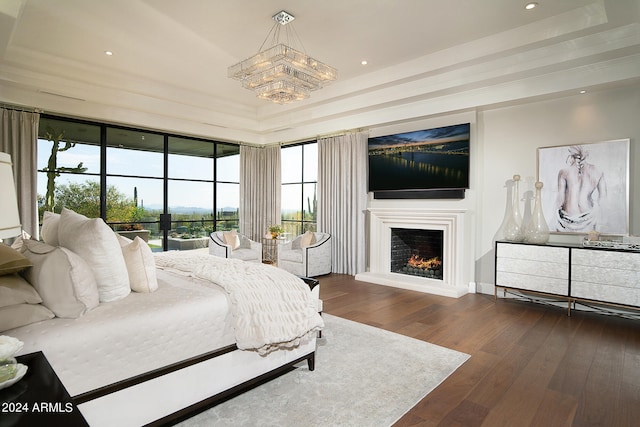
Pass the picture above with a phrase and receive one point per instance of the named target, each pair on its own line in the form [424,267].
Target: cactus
[312,207]
[52,169]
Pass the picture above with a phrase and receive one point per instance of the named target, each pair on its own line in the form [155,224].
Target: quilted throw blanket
[271,308]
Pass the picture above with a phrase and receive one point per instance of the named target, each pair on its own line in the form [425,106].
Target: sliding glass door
[170,190]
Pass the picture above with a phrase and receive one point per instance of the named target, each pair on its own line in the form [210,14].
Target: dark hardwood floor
[530,365]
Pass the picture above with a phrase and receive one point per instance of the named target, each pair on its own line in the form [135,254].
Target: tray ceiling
[425,57]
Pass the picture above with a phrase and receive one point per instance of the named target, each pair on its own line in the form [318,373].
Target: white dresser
[570,273]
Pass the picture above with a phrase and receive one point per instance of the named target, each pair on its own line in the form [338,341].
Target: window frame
[224,148]
[303,224]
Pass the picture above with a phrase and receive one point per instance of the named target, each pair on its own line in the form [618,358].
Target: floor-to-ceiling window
[227,186]
[171,190]
[299,185]
[68,159]
[134,175]
[190,191]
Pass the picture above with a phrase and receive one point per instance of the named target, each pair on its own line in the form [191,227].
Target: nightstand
[39,398]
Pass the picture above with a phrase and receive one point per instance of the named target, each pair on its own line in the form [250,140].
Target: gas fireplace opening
[417,252]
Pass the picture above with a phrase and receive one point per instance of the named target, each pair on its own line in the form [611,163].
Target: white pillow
[63,279]
[232,239]
[49,231]
[17,242]
[307,239]
[97,244]
[141,265]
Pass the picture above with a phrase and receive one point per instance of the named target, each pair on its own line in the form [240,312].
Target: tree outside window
[145,175]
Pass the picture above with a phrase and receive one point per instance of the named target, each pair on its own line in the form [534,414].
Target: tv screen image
[432,159]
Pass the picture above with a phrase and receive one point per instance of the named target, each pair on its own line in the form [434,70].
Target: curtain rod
[317,137]
[20,108]
[341,133]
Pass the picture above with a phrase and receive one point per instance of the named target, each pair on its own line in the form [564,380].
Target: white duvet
[271,308]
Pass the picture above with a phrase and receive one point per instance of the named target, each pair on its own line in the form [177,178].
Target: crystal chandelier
[281,73]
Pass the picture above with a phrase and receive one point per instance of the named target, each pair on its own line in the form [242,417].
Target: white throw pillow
[49,231]
[307,239]
[63,279]
[17,242]
[141,265]
[97,244]
[232,239]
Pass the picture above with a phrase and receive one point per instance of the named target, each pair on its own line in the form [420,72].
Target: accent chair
[308,255]
[231,244]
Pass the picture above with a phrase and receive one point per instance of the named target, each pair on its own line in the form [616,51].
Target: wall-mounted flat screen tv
[432,159]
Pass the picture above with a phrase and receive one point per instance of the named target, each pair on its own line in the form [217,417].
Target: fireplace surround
[455,277]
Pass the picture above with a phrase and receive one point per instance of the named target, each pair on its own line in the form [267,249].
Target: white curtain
[342,199]
[18,138]
[260,190]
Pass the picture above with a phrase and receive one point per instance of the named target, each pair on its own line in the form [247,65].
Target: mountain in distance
[189,209]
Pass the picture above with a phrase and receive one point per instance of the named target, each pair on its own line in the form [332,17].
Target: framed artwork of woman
[586,187]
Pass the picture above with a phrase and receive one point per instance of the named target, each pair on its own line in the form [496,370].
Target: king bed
[210,328]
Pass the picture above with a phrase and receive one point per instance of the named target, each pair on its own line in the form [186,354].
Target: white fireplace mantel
[455,281]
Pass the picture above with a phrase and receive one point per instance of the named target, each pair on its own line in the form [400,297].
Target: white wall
[504,143]
[510,136]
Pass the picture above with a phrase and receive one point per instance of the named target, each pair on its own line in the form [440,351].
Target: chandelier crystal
[281,73]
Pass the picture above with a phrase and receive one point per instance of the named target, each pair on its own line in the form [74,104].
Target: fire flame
[418,262]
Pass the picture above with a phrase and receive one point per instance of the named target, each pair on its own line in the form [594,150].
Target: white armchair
[230,244]
[307,255]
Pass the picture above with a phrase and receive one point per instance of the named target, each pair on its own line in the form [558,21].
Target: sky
[148,164]
[184,194]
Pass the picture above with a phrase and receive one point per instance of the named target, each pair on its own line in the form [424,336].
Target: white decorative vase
[537,230]
[513,228]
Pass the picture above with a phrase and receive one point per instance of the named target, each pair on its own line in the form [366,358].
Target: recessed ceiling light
[108,52]
[583,91]
[531,5]
[364,62]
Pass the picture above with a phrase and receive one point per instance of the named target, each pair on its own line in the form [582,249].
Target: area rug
[364,376]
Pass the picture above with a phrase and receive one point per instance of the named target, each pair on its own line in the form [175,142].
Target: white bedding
[271,308]
[92,351]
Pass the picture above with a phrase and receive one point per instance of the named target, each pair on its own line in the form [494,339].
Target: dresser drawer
[535,268]
[533,253]
[607,276]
